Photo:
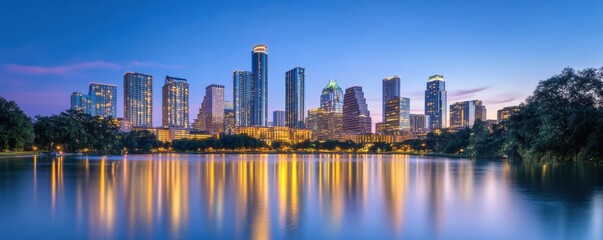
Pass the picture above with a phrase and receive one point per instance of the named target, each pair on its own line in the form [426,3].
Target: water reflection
[297,196]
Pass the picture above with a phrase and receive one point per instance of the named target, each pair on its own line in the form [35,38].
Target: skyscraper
[435,102]
[331,99]
[396,109]
[229,120]
[259,68]
[212,109]
[103,98]
[278,118]
[480,111]
[175,102]
[356,116]
[324,125]
[242,98]
[464,114]
[138,99]
[295,97]
[81,102]
[419,123]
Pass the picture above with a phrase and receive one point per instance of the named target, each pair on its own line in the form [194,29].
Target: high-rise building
[295,97]
[81,102]
[436,102]
[325,125]
[356,116]
[229,119]
[464,114]
[506,112]
[419,123]
[331,99]
[278,118]
[396,109]
[480,111]
[138,99]
[212,109]
[175,102]
[242,98]
[259,68]
[103,98]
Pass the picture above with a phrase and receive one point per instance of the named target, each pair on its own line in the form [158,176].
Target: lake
[293,196]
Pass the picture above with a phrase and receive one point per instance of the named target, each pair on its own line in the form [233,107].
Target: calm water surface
[326,196]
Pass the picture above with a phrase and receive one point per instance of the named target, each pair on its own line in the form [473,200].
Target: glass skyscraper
[278,118]
[103,98]
[175,102]
[356,116]
[391,89]
[331,99]
[138,99]
[295,98]
[242,98]
[211,113]
[396,109]
[435,102]
[259,68]
[81,102]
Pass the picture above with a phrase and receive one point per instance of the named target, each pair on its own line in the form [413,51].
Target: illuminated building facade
[281,134]
[464,114]
[259,68]
[419,123]
[175,102]
[331,98]
[81,102]
[506,112]
[436,102]
[356,116]
[211,114]
[374,138]
[278,118]
[138,99]
[242,98]
[103,99]
[229,119]
[396,109]
[324,125]
[295,98]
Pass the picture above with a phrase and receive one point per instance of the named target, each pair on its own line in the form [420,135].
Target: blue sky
[496,51]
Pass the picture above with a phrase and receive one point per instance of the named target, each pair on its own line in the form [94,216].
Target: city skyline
[485,60]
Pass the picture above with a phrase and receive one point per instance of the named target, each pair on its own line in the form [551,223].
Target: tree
[16,129]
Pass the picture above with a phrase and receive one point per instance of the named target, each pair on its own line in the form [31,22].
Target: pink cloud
[152,64]
[59,70]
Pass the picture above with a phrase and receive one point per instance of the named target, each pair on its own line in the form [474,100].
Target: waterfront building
[396,109]
[170,134]
[295,97]
[259,68]
[464,114]
[211,113]
[138,99]
[436,102]
[367,138]
[356,116]
[325,125]
[103,99]
[242,98]
[175,102]
[419,123]
[506,112]
[278,118]
[331,98]
[81,102]
[229,119]
[281,134]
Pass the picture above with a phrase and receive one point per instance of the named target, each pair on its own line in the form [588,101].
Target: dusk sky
[496,51]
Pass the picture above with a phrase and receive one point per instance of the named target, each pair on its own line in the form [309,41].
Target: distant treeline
[561,122]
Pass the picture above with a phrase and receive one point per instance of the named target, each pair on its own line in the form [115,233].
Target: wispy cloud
[68,69]
[59,70]
[502,99]
[466,93]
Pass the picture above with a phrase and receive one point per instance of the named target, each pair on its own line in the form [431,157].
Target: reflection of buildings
[394,177]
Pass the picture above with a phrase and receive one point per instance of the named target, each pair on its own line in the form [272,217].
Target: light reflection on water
[264,196]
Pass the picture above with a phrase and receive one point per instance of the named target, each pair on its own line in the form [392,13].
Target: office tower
[397,115]
[464,114]
[175,102]
[435,102]
[396,109]
[81,102]
[278,118]
[212,109]
[325,125]
[103,98]
[480,111]
[295,97]
[242,98]
[505,113]
[331,99]
[419,123]
[138,99]
[229,119]
[356,116]
[259,68]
